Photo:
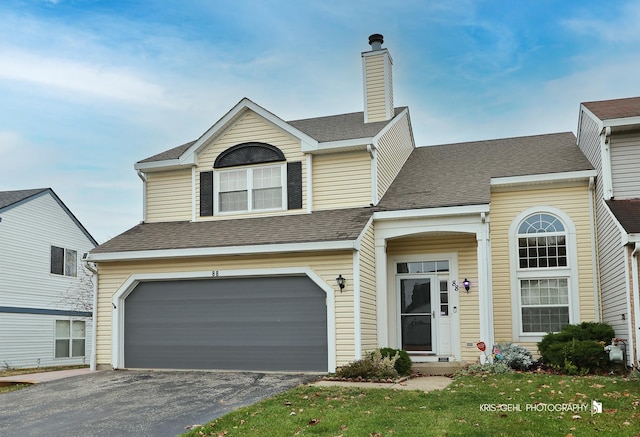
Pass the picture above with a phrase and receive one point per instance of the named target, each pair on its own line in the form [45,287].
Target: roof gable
[12,199]
[342,130]
[187,154]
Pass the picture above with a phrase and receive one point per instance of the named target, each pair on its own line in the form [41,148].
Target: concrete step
[437,369]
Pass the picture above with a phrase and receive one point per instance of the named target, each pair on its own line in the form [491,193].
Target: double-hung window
[70,338]
[250,189]
[543,274]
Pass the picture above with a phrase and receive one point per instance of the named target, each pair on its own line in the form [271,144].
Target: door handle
[433,314]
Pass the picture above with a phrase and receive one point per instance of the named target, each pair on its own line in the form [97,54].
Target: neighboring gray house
[41,249]
[609,135]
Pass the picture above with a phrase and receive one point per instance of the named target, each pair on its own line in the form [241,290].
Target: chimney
[378,85]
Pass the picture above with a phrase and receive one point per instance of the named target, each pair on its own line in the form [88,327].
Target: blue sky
[89,87]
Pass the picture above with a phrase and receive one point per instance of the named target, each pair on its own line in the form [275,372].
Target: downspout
[594,260]
[373,152]
[636,304]
[94,311]
[143,177]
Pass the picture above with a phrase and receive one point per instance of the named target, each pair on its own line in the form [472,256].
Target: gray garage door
[238,324]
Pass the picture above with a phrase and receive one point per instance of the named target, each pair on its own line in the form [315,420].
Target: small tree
[79,296]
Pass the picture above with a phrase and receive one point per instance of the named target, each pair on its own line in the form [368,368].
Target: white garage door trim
[117,357]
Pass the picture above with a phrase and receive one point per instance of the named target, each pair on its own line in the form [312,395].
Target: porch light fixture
[467,284]
[340,280]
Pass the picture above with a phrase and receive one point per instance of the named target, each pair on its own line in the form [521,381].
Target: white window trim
[570,271]
[64,258]
[69,339]
[249,210]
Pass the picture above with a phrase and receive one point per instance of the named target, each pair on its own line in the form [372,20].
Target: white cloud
[622,29]
[82,78]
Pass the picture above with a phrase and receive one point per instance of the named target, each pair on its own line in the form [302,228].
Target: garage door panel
[242,324]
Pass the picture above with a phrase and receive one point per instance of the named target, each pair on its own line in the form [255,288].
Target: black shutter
[206,193]
[294,185]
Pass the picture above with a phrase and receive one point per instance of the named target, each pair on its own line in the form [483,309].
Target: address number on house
[215,273]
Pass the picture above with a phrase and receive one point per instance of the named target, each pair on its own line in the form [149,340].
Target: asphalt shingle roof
[340,127]
[8,198]
[617,108]
[334,225]
[322,129]
[627,212]
[460,174]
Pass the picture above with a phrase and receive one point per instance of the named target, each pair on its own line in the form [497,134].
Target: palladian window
[543,274]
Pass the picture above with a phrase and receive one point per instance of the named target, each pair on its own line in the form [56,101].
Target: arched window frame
[520,273]
[242,163]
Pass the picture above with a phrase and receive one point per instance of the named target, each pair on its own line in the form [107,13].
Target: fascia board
[543,178]
[169,164]
[189,156]
[341,146]
[395,120]
[593,116]
[218,251]
[431,212]
[627,121]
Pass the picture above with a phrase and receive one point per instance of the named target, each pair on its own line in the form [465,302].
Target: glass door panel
[416,314]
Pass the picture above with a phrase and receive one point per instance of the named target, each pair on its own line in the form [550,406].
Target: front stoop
[438,369]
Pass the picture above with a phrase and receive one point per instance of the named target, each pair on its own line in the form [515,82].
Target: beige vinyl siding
[375,89]
[625,161]
[168,196]
[250,127]
[505,206]
[368,321]
[394,147]
[341,180]
[465,246]
[326,265]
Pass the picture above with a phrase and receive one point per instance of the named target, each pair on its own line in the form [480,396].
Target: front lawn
[518,404]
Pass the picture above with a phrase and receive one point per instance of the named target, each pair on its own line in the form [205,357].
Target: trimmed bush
[578,348]
[496,368]
[372,366]
[402,364]
[515,356]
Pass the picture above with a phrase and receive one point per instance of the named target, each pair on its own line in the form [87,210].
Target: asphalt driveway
[134,403]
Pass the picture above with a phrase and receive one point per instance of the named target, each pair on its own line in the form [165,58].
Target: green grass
[454,411]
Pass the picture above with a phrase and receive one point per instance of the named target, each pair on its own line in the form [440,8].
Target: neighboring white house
[41,276]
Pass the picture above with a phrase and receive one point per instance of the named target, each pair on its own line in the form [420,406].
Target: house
[609,135]
[299,245]
[41,280]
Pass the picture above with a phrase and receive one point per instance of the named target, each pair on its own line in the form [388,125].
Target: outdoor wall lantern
[467,284]
[340,280]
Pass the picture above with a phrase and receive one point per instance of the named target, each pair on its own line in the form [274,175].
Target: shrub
[496,368]
[515,356]
[402,364]
[578,348]
[372,366]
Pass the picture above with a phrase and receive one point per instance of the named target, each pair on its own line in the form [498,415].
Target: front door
[417,314]
[424,307]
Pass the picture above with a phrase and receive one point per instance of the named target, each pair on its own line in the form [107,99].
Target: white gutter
[636,306]
[594,242]
[94,316]
[227,250]
[143,178]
